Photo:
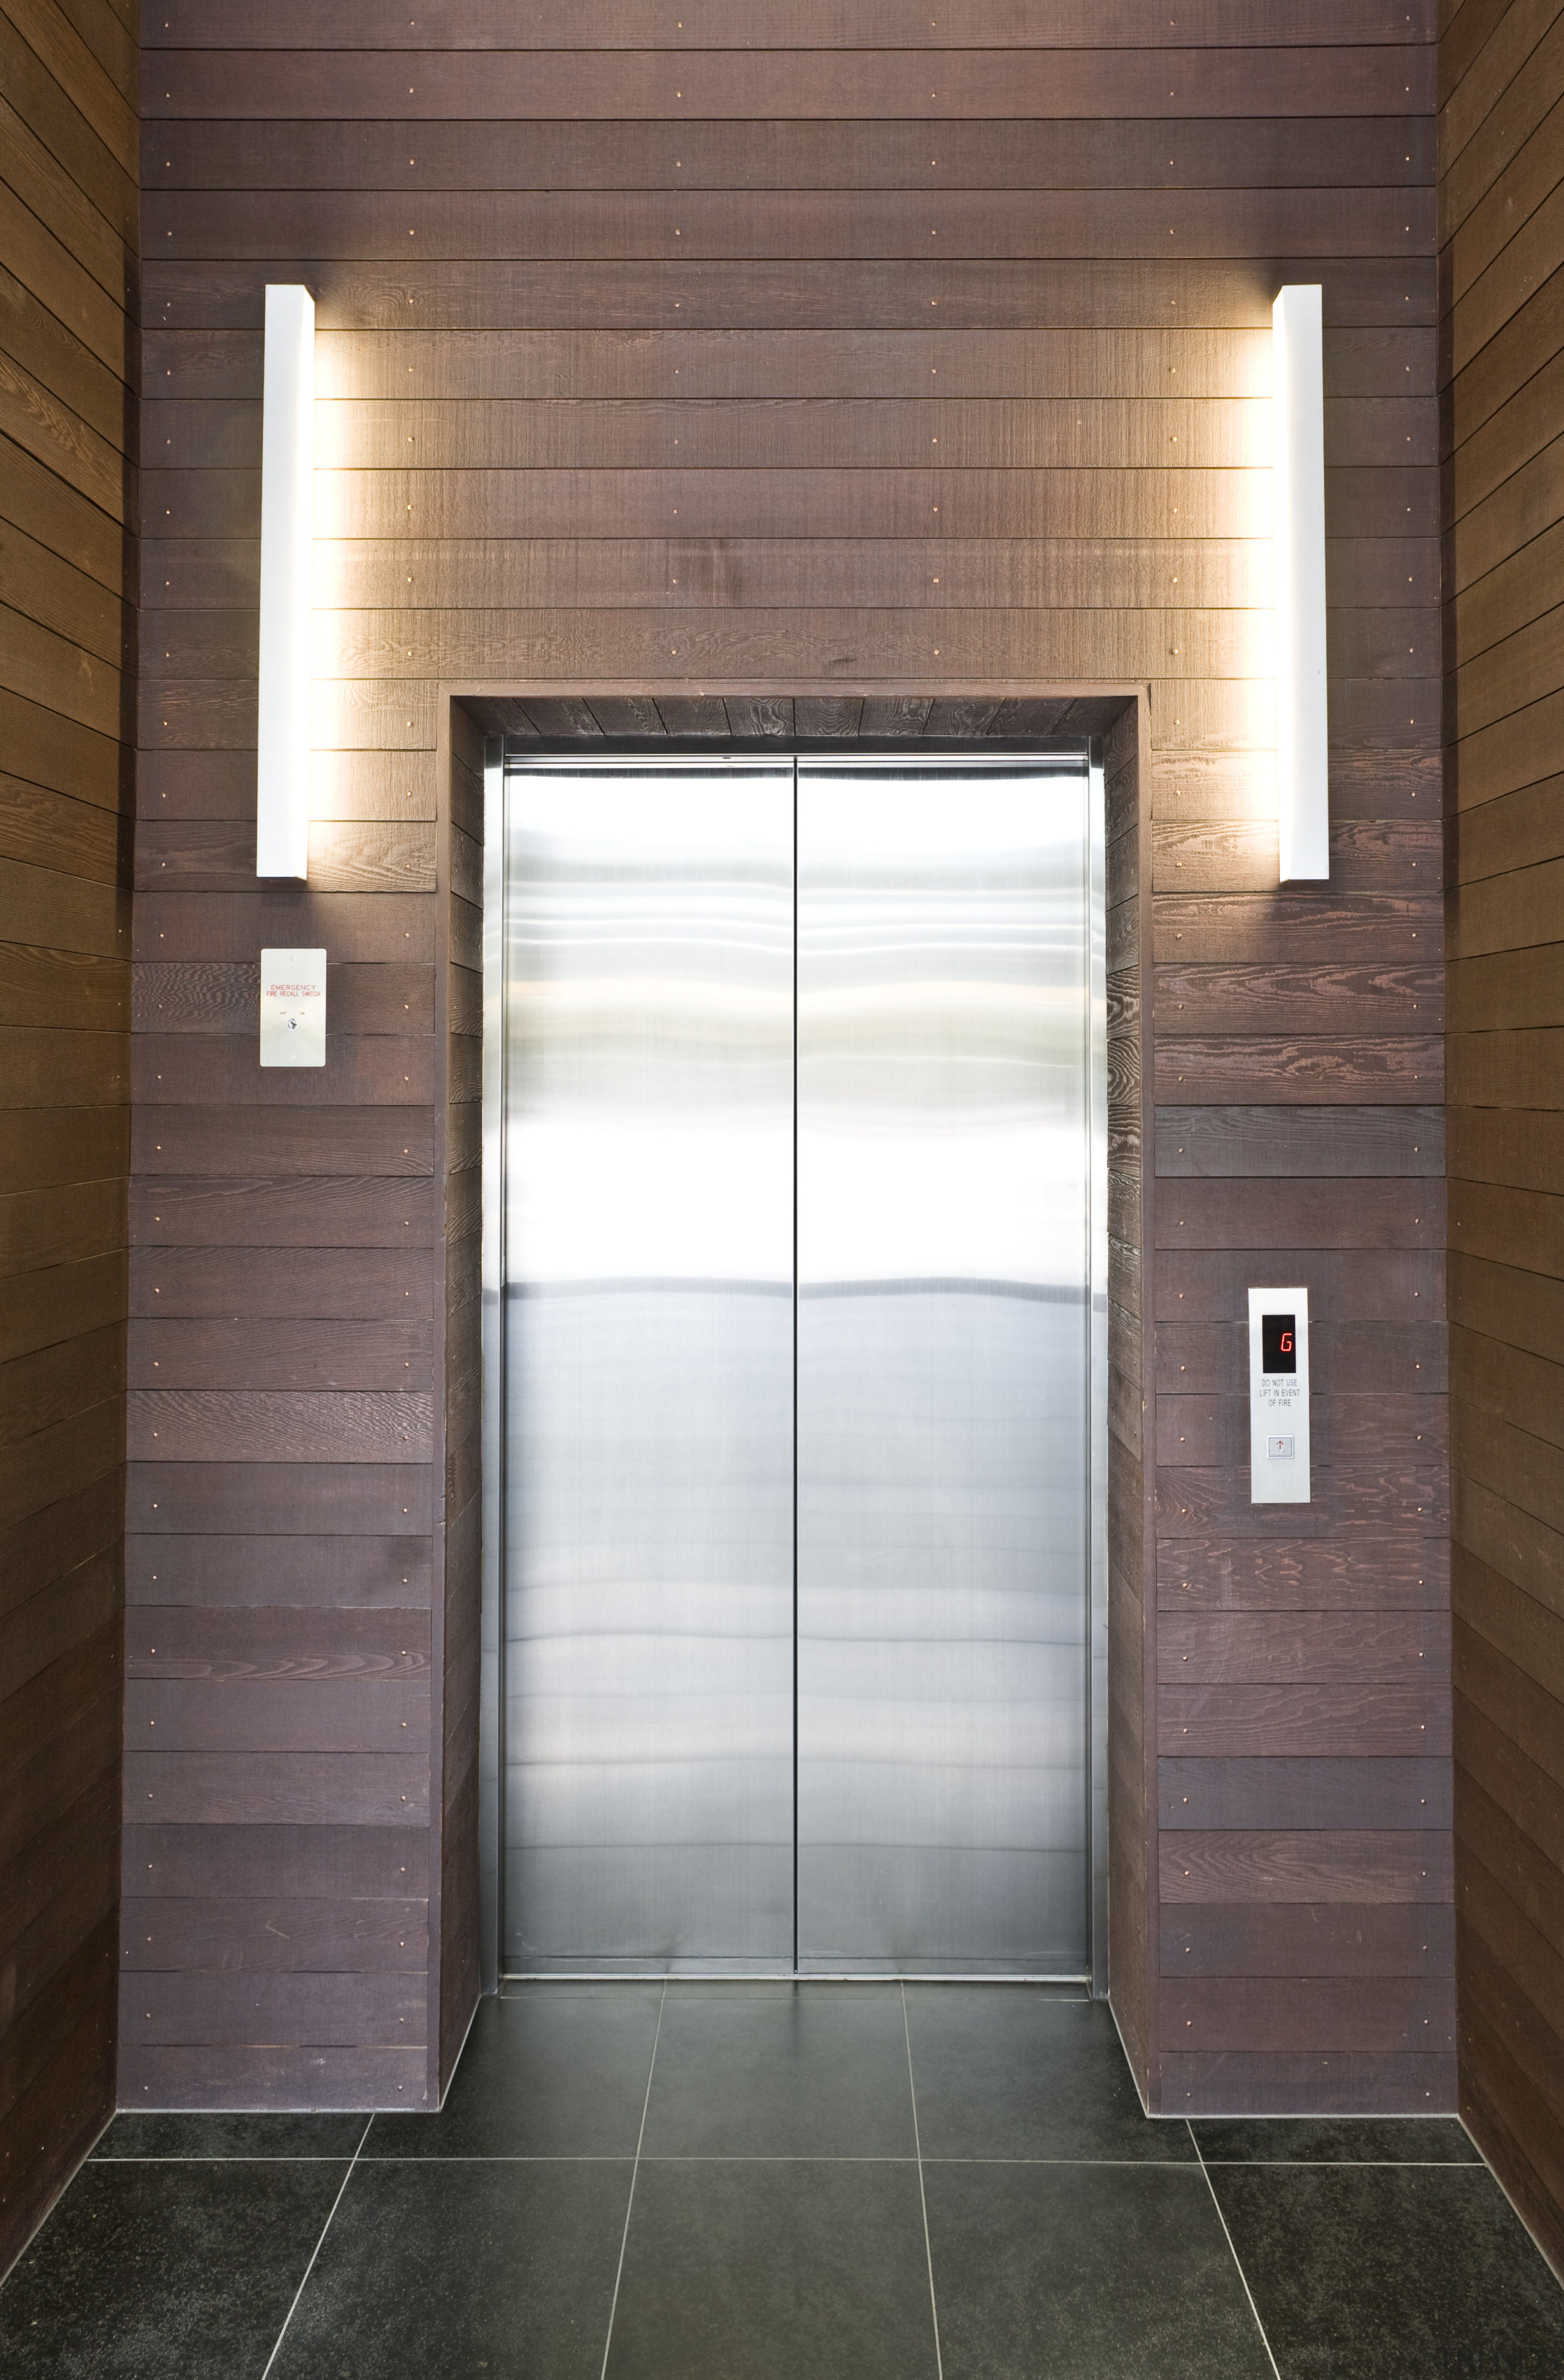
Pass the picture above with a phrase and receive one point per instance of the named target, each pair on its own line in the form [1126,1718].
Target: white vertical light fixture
[288,484]
[1298,472]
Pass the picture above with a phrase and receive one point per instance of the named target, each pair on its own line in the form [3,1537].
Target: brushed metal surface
[648,1725]
[942,1740]
[944,1366]
[491,1694]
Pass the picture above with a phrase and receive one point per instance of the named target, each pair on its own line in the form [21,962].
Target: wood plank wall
[68,186]
[1502,368]
[970,323]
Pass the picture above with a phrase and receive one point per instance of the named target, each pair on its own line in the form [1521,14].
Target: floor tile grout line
[922,2193]
[630,2201]
[1233,2250]
[277,2342]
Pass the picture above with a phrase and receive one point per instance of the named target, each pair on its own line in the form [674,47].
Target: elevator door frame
[1094,1683]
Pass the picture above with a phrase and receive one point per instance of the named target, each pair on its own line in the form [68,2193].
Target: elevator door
[942,1368]
[797,1366]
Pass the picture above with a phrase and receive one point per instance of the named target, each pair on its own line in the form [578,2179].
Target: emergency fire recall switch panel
[1279,1396]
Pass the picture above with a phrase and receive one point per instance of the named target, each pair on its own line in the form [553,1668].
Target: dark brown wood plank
[278,1499]
[1333,2082]
[333,1860]
[1387,1286]
[1337,1722]
[245,1142]
[1308,1938]
[1308,928]
[1364,1573]
[624,85]
[1349,999]
[1380,1497]
[1316,1863]
[891,295]
[277,1425]
[296,1572]
[1390,1648]
[292,1354]
[243,2075]
[1237,1213]
[1500,1830]
[240,1715]
[892,25]
[789,155]
[1273,1794]
[281,1645]
[661,499]
[280,1788]
[324,2010]
[1395,2015]
[508,225]
[1283,1140]
[368,1285]
[275,1936]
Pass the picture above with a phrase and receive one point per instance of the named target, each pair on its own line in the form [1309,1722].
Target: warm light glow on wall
[287,476]
[1298,468]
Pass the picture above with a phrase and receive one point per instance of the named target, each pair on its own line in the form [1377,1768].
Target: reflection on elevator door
[797,1122]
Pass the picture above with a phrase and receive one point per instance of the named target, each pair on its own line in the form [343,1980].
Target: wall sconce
[1298,474]
[287,487]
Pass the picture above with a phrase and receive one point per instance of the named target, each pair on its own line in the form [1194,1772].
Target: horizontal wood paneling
[1500,229]
[69,382]
[772,390]
[1323,1938]
[1044,83]
[884,25]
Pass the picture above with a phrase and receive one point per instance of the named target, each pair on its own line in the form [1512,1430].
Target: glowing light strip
[1298,470]
[288,476]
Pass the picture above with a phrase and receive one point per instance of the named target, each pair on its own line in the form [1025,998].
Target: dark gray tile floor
[779,2181]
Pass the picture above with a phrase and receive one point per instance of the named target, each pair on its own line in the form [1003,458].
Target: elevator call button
[1279,1396]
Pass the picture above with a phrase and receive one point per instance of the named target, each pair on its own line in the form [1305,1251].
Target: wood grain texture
[786,392]
[1360,1574]
[626,85]
[1395,2016]
[887,25]
[1294,1793]
[1287,1938]
[69,383]
[1501,212]
[1318,1722]
[1335,2083]
[1316,1863]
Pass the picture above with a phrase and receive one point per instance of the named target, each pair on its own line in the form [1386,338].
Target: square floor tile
[1000,2071]
[1386,2273]
[233,2136]
[442,2268]
[164,2272]
[1330,2140]
[554,2069]
[773,2272]
[781,2069]
[1056,2272]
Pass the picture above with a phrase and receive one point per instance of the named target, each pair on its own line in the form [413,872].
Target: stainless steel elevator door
[648,1664]
[800,1423]
[943,1368]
